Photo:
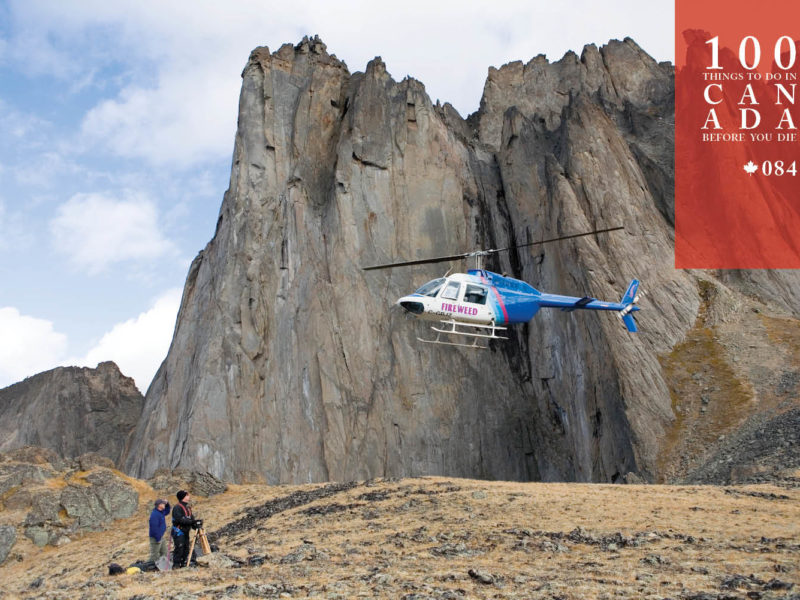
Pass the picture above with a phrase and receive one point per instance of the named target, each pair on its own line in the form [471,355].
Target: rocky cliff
[289,363]
[72,411]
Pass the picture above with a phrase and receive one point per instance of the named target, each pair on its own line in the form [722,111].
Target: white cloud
[140,344]
[176,64]
[173,69]
[95,231]
[28,345]
[169,124]
[45,170]
[22,129]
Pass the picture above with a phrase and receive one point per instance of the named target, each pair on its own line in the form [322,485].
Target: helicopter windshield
[431,288]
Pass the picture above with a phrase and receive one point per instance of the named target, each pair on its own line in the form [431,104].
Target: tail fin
[630,293]
[628,300]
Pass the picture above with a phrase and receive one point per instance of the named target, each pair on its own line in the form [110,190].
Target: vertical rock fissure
[333,171]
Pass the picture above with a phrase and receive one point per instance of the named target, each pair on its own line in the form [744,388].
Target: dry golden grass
[688,368]
[785,332]
[420,538]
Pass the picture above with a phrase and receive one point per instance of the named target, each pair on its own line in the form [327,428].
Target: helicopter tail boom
[624,308]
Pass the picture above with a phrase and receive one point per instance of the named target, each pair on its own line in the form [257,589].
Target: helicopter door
[469,307]
[474,302]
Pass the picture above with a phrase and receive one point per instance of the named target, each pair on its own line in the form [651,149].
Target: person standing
[158,525]
[182,521]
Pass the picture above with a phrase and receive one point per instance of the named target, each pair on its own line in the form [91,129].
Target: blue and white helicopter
[479,303]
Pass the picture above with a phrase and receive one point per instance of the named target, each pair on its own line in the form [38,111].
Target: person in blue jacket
[158,525]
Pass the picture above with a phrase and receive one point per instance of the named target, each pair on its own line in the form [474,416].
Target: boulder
[13,475]
[45,507]
[43,523]
[215,560]
[19,499]
[205,484]
[41,536]
[168,482]
[633,479]
[90,503]
[33,455]
[85,462]
[8,537]
[106,498]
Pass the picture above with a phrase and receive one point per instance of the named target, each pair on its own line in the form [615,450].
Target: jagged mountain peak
[289,363]
[72,411]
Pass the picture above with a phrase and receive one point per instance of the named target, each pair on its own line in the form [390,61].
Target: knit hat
[160,501]
[181,495]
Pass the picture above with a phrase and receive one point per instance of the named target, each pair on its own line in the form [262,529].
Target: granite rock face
[71,411]
[290,364]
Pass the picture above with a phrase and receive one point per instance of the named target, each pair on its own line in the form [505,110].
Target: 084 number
[778,168]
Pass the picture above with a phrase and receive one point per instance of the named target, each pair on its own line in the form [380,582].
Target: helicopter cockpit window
[451,290]
[430,288]
[475,294]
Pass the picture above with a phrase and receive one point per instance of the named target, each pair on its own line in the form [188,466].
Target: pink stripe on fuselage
[499,299]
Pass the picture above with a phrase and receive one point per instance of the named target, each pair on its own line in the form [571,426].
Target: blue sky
[117,122]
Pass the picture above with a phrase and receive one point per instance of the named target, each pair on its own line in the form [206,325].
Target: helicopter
[479,304]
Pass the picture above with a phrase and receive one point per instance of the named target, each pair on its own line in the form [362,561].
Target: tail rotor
[629,301]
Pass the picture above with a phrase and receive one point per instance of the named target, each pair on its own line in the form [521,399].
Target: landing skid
[453,330]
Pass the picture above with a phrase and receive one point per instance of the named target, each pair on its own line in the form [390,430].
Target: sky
[117,122]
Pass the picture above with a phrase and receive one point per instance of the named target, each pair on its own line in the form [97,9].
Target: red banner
[737,143]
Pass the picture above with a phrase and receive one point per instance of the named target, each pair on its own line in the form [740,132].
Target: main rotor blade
[426,261]
[564,237]
[422,261]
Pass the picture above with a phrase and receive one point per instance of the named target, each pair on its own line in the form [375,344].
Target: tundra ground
[449,538]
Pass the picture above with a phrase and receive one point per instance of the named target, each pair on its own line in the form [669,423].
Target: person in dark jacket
[182,522]
[158,525]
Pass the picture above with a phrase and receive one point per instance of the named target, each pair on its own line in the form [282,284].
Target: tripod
[204,545]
